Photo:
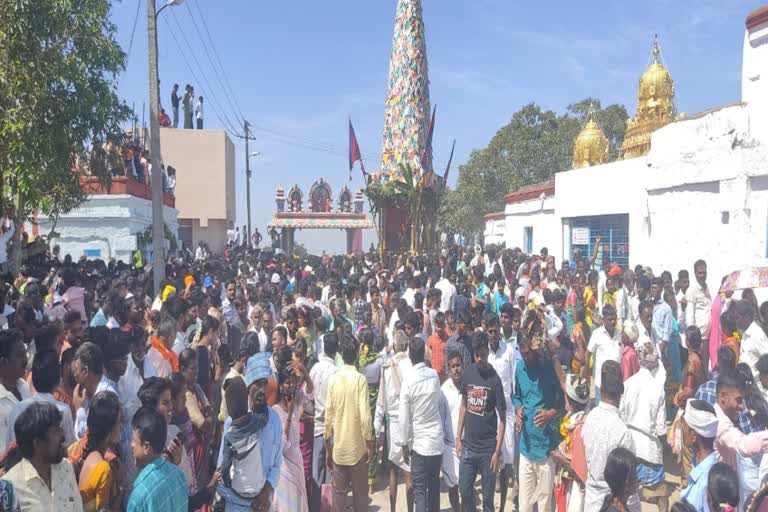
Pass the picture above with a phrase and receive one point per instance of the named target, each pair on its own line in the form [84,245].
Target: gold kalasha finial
[655,107]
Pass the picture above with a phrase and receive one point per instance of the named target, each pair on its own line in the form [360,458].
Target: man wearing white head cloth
[699,429]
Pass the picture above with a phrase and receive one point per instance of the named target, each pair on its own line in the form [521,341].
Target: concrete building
[699,190]
[115,223]
[111,223]
[205,183]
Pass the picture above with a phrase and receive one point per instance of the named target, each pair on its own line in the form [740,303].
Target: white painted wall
[754,74]
[494,231]
[537,214]
[106,222]
[675,198]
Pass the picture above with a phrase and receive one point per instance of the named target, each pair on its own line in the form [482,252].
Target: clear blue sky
[298,69]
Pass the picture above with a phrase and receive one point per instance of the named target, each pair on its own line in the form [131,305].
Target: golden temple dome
[591,145]
[655,107]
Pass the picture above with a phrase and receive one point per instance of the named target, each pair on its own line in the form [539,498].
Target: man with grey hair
[255,325]
[393,373]
[643,410]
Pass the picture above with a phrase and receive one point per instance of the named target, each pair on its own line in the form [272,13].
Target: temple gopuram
[318,212]
[405,192]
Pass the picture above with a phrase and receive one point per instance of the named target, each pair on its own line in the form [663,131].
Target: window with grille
[613,231]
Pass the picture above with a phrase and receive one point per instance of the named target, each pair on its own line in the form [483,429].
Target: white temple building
[686,188]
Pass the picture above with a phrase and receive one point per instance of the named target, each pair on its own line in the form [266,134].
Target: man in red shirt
[436,344]
[165,120]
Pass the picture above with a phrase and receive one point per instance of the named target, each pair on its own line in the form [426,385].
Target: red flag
[354,152]
[426,156]
[448,167]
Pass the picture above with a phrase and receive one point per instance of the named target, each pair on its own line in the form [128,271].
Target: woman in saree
[674,355]
[93,461]
[590,301]
[580,338]
[575,297]
[291,492]
[370,361]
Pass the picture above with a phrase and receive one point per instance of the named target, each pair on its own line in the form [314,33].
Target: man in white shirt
[603,431]
[199,113]
[45,378]
[138,369]
[6,235]
[754,342]
[643,410]
[698,310]
[162,341]
[423,415]
[602,282]
[605,345]
[44,478]
[393,373]
[409,295]
[11,376]
[502,358]
[451,390]
[447,287]
[321,374]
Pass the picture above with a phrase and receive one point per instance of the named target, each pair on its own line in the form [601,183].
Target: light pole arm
[161,10]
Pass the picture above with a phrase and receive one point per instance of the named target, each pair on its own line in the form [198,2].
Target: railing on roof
[121,185]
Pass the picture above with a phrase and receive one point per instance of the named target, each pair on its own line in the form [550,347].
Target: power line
[320,146]
[228,126]
[133,32]
[216,54]
[218,75]
[204,81]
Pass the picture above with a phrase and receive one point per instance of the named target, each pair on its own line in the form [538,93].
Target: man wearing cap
[699,429]
[257,373]
[643,410]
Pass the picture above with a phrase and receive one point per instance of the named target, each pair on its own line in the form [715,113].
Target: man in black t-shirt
[482,420]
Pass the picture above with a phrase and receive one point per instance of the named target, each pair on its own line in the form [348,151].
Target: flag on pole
[354,152]
[426,156]
[448,167]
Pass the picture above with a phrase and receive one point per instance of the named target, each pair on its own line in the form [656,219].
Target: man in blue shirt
[257,373]
[663,317]
[538,402]
[160,486]
[699,429]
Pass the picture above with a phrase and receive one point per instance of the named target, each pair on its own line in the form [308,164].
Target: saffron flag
[426,156]
[448,167]
[354,152]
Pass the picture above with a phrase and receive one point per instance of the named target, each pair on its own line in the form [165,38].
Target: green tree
[58,63]
[531,148]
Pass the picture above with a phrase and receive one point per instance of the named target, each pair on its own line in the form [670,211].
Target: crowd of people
[186,101]
[259,381]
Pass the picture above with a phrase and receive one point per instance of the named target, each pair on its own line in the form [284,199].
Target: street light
[170,3]
[158,222]
[248,183]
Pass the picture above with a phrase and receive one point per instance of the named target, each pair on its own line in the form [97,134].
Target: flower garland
[565,432]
